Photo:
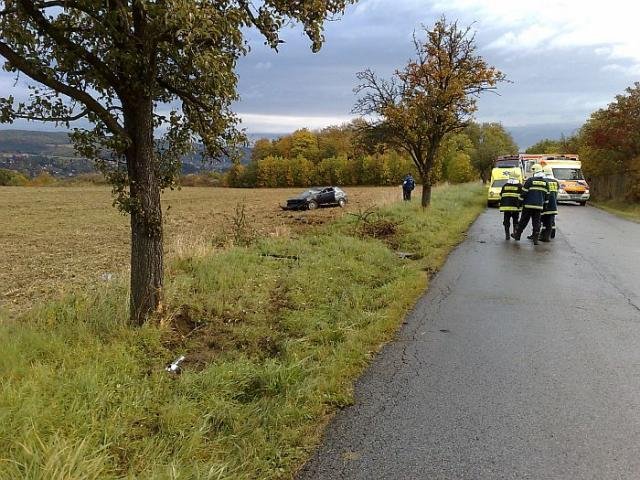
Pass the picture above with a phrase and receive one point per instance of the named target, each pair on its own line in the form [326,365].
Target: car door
[327,196]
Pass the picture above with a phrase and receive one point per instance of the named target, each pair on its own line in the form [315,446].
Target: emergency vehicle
[567,169]
[504,168]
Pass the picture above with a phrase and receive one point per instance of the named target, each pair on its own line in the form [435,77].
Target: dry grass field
[53,239]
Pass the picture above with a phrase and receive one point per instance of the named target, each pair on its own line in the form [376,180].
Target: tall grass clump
[274,332]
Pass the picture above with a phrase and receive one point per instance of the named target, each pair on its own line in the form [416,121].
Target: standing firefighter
[510,205]
[550,209]
[407,187]
[534,196]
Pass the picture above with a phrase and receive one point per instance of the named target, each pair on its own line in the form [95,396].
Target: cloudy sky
[565,58]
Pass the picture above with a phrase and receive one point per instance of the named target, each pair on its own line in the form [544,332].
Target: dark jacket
[551,207]
[534,193]
[409,183]
[510,197]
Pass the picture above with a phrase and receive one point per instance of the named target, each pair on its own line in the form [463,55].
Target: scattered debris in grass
[281,257]
[408,255]
[174,367]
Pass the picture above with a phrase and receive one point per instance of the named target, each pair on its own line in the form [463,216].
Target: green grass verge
[273,345]
[630,211]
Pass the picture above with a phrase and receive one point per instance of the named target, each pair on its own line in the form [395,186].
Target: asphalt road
[520,362]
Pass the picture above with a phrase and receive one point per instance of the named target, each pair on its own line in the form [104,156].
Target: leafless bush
[371,223]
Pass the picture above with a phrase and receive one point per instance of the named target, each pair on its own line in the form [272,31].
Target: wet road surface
[520,362]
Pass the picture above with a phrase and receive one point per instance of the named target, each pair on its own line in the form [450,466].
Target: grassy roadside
[275,334]
[629,211]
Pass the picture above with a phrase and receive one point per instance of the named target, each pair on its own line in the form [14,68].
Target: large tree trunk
[146,212]
[426,192]
[425,171]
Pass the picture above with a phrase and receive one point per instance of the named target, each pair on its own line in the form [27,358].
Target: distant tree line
[13,178]
[608,145]
[336,155]
[340,155]
[419,121]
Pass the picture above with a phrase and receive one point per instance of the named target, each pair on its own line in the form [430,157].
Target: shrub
[206,179]
[460,170]
[43,179]
[87,178]
[11,178]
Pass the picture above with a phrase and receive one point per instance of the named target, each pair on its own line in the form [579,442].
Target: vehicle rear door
[328,195]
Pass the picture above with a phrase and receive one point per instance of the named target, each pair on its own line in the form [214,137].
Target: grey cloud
[560,86]
[552,87]
[565,86]
[302,83]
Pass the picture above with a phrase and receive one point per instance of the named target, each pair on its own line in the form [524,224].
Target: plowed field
[59,238]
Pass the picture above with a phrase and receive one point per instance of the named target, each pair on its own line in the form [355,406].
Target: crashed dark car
[317,197]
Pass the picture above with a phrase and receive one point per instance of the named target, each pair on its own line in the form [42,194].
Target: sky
[563,58]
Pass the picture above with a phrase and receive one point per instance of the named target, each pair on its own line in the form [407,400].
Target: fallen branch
[281,257]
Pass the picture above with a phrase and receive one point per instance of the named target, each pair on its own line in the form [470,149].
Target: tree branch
[35,73]
[58,35]
[182,94]
[65,4]
[54,119]
[53,3]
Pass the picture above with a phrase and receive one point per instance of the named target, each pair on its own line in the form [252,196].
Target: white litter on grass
[106,277]
[175,366]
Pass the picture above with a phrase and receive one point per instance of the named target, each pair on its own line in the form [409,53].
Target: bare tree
[434,94]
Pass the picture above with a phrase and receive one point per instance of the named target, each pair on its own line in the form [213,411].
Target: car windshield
[498,183]
[507,163]
[568,174]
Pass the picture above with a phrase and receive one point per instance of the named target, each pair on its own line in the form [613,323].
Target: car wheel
[342,202]
[583,204]
[312,205]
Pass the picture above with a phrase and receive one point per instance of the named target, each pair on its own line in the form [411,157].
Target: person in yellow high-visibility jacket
[510,205]
[550,210]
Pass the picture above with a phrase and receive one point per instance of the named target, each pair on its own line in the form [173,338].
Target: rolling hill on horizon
[35,142]
[33,151]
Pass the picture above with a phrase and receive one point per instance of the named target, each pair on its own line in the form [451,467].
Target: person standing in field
[550,209]
[534,196]
[407,187]
[510,205]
